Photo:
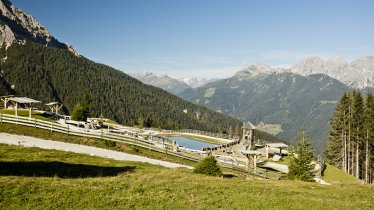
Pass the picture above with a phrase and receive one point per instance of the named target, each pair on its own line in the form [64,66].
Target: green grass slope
[130,185]
[334,175]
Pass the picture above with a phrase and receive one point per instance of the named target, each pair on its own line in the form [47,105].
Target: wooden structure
[275,145]
[252,156]
[248,135]
[5,99]
[55,107]
[18,101]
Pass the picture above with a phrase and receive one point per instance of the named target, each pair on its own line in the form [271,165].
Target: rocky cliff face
[357,74]
[17,26]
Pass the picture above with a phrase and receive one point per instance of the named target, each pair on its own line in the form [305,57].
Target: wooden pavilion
[18,101]
[252,156]
[5,99]
[275,145]
[55,107]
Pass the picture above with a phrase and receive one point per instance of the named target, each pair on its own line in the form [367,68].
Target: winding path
[27,141]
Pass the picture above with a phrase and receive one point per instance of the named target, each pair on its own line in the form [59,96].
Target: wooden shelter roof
[53,103]
[23,100]
[251,152]
[277,145]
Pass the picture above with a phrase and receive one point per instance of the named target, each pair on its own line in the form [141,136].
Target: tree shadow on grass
[59,169]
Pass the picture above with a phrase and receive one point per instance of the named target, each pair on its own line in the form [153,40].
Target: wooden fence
[139,142]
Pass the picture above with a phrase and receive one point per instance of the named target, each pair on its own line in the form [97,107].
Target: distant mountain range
[170,84]
[356,74]
[264,95]
[284,100]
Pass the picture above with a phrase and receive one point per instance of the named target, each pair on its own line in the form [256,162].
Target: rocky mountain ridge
[19,27]
[356,74]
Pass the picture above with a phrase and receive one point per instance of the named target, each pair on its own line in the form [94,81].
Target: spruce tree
[336,149]
[78,113]
[357,133]
[82,110]
[369,138]
[301,167]
[351,137]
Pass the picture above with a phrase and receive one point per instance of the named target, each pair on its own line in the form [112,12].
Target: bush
[109,143]
[208,166]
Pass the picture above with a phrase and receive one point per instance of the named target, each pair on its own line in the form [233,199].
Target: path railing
[122,138]
[97,134]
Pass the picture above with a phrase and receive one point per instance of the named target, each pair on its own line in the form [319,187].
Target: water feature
[191,143]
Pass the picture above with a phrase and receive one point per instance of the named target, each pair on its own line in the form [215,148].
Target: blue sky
[207,38]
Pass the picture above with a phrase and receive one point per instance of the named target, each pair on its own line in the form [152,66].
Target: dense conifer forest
[351,139]
[52,74]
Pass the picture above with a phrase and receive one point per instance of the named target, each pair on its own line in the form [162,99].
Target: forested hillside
[289,100]
[53,74]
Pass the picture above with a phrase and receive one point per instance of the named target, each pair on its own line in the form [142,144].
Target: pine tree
[140,122]
[336,149]
[78,113]
[231,132]
[351,137]
[369,138]
[82,110]
[357,130]
[300,166]
[237,132]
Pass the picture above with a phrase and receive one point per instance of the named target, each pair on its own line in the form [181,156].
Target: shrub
[208,166]
[109,143]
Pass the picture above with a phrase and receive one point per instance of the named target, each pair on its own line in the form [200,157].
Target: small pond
[191,143]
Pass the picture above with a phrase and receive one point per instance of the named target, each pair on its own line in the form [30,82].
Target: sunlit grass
[155,187]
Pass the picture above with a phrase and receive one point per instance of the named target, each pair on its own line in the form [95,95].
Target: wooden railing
[97,134]
[130,140]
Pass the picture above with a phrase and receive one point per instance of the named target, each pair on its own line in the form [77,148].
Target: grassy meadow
[45,134]
[33,178]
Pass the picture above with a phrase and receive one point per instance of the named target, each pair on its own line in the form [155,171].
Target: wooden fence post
[51,127]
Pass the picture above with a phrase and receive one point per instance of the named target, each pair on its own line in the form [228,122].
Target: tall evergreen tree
[82,110]
[336,149]
[369,138]
[301,166]
[351,138]
[357,127]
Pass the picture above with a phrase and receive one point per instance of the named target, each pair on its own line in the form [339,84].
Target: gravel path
[27,141]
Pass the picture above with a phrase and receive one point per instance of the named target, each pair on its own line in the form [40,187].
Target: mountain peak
[18,27]
[357,74]
[255,70]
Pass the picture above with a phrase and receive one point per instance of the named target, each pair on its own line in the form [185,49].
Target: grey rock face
[357,74]
[17,26]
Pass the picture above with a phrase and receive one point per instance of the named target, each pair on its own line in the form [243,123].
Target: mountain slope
[52,74]
[34,64]
[259,94]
